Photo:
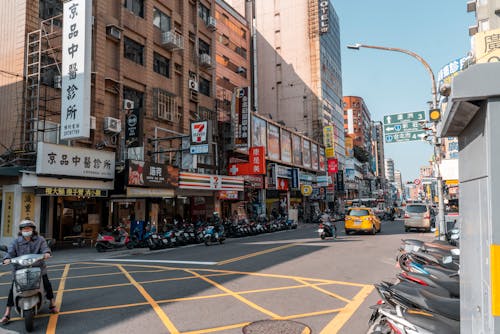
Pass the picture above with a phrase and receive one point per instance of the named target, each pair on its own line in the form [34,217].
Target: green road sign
[405,117]
[404,136]
[402,127]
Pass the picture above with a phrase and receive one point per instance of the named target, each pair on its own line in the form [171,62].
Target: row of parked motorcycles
[184,233]
[426,296]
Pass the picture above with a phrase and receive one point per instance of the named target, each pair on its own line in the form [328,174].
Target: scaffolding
[42,86]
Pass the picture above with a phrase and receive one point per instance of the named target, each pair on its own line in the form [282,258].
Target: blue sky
[392,82]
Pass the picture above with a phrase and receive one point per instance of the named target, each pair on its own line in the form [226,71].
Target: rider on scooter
[29,242]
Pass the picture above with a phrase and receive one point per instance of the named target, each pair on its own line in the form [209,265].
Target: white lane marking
[159,261]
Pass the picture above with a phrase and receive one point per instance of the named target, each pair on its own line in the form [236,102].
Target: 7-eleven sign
[199,132]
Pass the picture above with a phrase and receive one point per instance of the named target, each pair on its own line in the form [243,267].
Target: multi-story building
[398,180]
[378,150]
[151,75]
[357,122]
[389,170]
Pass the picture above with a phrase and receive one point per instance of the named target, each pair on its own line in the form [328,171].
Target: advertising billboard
[314,156]
[297,150]
[322,164]
[286,146]
[273,142]
[259,132]
[306,153]
[329,141]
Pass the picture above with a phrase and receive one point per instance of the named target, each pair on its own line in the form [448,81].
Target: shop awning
[33,180]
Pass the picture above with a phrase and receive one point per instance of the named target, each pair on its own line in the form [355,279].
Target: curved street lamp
[437,144]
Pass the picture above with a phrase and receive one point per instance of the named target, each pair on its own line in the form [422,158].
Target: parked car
[361,219]
[417,216]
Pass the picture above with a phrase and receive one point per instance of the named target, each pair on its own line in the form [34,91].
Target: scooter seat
[432,322]
[448,307]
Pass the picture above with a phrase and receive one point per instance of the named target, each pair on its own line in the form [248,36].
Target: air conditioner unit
[112,125]
[93,123]
[57,81]
[128,104]
[193,85]
[114,32]
[212,23]
[240,69]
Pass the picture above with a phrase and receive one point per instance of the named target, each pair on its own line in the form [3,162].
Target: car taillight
[414,279]
[427,216]
[407,215]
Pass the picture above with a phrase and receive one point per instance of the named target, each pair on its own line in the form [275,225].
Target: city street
[290,275]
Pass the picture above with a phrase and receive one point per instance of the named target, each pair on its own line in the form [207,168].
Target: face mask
[27,233]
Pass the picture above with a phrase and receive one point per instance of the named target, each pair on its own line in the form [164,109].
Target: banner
[75,69]
[349,146]
[240,112]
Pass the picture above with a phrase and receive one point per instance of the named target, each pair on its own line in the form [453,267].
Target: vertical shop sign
[133,128]
[8,216]
[339,184]
[323,16]
[295,178]
[329,141]
[322,159]
[76,68]
[241,116]
[28,206]
[333,165]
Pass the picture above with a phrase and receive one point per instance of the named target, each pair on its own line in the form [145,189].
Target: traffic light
[435,115]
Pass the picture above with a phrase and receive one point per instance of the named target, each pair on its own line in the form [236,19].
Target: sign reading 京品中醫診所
[76,68]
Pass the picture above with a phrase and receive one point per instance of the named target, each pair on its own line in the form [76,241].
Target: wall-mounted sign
[323,16]
[8,214]
[149,174]
[486,48]
[210,182]
[273,142]
[339,181]
[254,181]
[321,166]
[198,149]
[55,159]
[286,146]
[306,190]
[306,153]
[228,194]
[333,165]
[282,184]
[255,166]
[297,150]
[199,132]
[314,156]
[329,141]
[28,206]
[240,112]
[75,69]
[78,192]
[133,128]
[259,132]
[295,178]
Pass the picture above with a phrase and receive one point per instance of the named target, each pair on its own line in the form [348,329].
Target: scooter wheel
[130,245]
[322,236]
[29,319]
[100,248]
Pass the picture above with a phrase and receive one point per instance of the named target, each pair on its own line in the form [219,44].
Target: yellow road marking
[218,329]
[326,292]
[235,295]
[256,254]
[51,327]
[306,331]
[311,314]
[338,322]
[163,317]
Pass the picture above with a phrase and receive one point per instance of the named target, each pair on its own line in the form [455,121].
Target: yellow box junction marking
[163,317]
[247,256]
[495,279]
[51,327]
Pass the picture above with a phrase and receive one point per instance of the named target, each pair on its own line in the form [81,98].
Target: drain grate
[276,327]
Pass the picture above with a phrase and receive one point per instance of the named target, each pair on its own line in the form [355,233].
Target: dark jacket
[37,245]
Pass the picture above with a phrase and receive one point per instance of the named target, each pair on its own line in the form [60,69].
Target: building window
[133,51]
[204,86]
[161,20]
[161,65]
[134,95]
[203,13]
[135,6]
[49,8]
[165,106]
[203,47]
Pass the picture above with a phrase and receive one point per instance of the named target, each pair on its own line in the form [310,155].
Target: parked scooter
[116,240]
[211,236]
[28,289]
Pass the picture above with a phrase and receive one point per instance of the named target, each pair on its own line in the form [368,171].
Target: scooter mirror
[3,248]
[455,251]
[447,259]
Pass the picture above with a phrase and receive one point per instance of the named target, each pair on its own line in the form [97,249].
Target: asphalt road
[323,286]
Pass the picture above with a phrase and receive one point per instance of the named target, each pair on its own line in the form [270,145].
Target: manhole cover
[276,327]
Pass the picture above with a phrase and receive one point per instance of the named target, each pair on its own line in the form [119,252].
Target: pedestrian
[29,242]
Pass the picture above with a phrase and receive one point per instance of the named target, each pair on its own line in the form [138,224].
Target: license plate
[320,230]
[357,222]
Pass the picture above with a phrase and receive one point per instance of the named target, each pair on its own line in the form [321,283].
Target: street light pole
[437,145]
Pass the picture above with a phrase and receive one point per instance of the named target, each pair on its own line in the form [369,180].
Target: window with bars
[165,105]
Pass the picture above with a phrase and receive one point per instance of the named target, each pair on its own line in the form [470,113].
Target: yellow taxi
[361,219]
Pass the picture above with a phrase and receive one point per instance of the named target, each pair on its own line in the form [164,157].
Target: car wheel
[347,232]
[406,229]
[380,229]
